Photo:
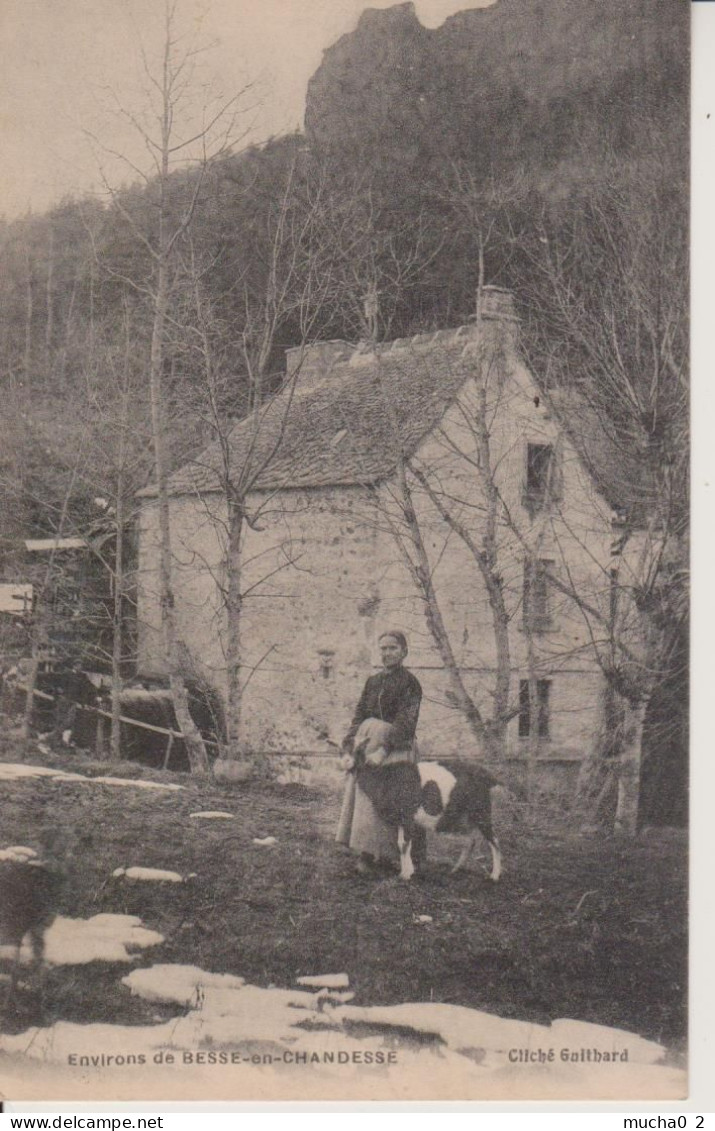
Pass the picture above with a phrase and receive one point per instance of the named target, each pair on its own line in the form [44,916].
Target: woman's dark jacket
[393,696]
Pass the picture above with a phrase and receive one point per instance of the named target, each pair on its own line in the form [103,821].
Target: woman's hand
[347,762]
[376,757]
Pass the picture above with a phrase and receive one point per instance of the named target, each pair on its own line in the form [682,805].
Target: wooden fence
[171,735]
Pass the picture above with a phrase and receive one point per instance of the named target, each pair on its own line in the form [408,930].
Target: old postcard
[344,565]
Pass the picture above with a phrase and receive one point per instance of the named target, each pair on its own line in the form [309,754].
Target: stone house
[323,565]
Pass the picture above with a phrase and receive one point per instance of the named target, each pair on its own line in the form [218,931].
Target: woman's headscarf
[396,635]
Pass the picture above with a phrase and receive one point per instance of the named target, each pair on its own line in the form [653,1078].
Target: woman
[392,696]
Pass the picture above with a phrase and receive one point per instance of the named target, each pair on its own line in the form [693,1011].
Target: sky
[67,62]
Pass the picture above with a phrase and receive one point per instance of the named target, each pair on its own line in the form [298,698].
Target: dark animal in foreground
[439,796]
[28,901]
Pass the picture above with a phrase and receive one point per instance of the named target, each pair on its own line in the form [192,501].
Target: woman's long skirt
[360,827]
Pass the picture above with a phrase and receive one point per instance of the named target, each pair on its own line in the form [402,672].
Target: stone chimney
[500,321]
[314,362]
[498,302]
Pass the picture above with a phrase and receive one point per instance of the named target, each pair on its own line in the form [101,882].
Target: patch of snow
[177,984]
[214,815]
[110,1047]
[56,1043]
[325,981]
[469,1049]
[146,693]
[334,997]
[66,736]
[264,841]
[103,938]
[155,875]
[14,771]
[460,1027]
[217,992]
[139,783]
[19,853]
[423,919]
[10,771]
[583,1035]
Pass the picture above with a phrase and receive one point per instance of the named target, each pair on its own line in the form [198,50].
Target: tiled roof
[346,425]
[618,468]
[349,410]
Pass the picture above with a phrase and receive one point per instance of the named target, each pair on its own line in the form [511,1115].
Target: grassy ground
[579,926]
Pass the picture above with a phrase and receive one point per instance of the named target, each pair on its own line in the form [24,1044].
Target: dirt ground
[579,926]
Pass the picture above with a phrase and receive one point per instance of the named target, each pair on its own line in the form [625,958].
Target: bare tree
[175,134]
[298,290]
[113,411]
[608,338]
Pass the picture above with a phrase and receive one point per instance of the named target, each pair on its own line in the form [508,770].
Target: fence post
[100,738]
[169,745]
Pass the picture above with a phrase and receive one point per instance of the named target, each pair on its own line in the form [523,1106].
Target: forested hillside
[532,124]
[536,144]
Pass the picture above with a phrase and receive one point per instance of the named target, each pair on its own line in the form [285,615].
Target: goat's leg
[495,850]
[496,869]
[465,853]
[487,831]
[404,843]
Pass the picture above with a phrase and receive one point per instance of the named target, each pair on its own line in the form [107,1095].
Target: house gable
[322,569]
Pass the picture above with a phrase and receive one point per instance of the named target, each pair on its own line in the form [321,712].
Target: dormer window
[541,480]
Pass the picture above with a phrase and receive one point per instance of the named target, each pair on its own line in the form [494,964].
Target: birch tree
[175,134]
[296,295]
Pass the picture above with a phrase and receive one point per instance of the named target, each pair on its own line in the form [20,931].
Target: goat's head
[370,742]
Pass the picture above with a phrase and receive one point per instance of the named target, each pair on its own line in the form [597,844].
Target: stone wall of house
[575,536]
[197,528]
[324,577]
[311,579]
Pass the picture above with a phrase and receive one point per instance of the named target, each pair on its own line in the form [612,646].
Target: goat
[28,901]
[447,796]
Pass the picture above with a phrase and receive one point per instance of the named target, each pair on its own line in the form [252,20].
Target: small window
[537,611]
[543,691]
[541,481]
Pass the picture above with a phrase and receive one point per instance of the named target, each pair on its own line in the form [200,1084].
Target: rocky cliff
[521,80]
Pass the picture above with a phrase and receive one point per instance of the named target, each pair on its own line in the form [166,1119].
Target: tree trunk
[422,574]
[234,605]
[50,312]
[31,684]
[195,748]
[27,359]
[629,777]
[117,625]
[532,746]
[494,729]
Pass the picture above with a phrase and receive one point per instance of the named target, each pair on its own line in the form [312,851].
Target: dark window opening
[537,613]
[541,482]
[543,690]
